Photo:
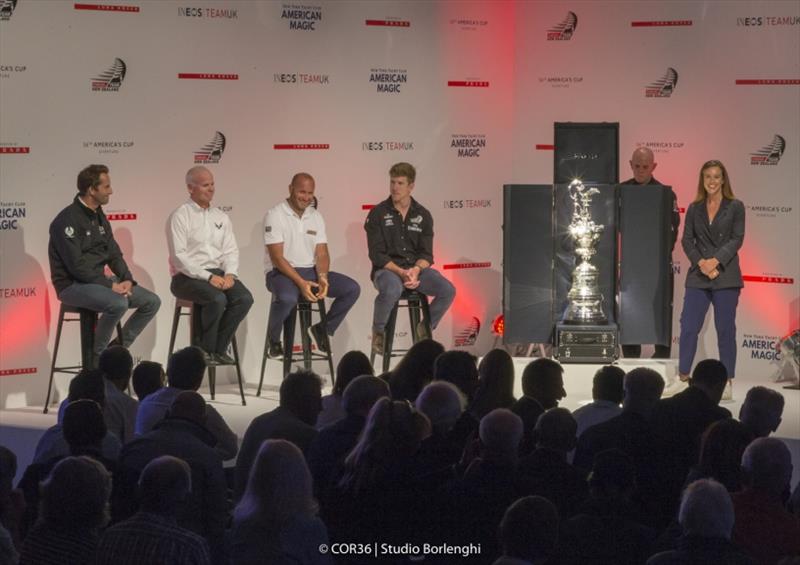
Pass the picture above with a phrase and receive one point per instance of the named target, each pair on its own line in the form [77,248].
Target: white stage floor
[20,428]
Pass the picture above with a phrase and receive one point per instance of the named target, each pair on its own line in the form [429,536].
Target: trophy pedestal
[586,343]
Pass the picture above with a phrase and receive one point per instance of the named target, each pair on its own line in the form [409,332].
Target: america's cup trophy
[585,300]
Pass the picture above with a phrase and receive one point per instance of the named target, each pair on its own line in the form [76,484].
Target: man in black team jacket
[400,241]
[81,246]
[643,164]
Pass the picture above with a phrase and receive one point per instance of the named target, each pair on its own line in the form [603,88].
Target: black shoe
[275,350]
[209,358]
[422,331]
[224,359]
[320,337]
[378,342]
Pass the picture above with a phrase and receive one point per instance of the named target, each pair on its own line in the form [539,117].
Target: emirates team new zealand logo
[564,30]
[212,151]
[7,9]
[469,335]
[769,154]
[110,80]
[663,87]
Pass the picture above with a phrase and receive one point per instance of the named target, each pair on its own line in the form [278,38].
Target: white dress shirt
[300,235]
[201,239]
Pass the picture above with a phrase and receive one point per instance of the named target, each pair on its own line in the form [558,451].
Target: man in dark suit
[642,165]
[293,420]
[679,422]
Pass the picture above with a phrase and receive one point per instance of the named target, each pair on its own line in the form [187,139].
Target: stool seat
[193,310]
[88,320]
[417,305]
[303,310]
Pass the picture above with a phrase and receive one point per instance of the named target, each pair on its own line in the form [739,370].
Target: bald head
[300,178]
[642,165]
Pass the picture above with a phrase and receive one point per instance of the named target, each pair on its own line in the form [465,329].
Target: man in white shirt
[296,262]
[204,264]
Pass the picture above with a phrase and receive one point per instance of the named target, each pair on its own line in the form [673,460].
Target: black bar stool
[417,305]
[303,311]
[193,311]
[88,321]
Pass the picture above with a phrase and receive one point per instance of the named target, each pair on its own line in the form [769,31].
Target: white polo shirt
[200,239]
[299,235]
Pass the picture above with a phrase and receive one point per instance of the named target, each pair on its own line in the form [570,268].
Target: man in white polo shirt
[296,262]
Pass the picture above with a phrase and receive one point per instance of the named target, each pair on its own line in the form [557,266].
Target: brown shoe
[378,342]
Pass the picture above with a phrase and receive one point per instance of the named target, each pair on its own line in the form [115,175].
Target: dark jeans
[221,310]
[112,307]
[695,305]
[390,287]
[342,289]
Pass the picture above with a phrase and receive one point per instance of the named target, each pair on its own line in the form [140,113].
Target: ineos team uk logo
[111,80]
[7,9]
[769,154]
[564,30]
[212,151]
[663,87]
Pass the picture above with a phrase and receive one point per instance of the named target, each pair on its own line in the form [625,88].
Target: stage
[20,428]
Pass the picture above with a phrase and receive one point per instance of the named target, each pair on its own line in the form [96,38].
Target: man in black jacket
[642,165]
[81,246]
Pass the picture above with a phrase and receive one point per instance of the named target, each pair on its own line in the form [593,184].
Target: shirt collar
[309,212]
[86,208]
[197,208]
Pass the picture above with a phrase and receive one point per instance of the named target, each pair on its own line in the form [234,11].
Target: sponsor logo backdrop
[466,91]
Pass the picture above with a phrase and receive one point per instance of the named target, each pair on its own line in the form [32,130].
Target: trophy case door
[527,263]
[644,306]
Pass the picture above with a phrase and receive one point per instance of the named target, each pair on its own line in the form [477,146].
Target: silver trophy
[585,299]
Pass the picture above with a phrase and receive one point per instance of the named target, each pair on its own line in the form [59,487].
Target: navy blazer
[721,239]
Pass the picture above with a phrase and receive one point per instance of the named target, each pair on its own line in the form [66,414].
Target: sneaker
[275,350]
[320,337]
[727,394]
[209,358]
[422,330]
[674,388]
[378,342]
[224,359]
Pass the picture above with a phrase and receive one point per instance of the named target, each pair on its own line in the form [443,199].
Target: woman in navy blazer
[712,235]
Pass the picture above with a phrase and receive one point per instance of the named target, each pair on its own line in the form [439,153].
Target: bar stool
[303,311]
[88,321]
[417,304]
[193,311]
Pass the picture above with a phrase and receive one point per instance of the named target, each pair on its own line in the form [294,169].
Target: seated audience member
[376,495]
[607,529]
[352,364]
[185,371]
[152,535]
[495,384]
[293,420]
[460,369]
[74,506]
[414,370]
[542,388]
[120,409]
[84,430]
[721,449]
[181,434]
[606,397]
[147,378]
[761,411]
[763,527]
[12,506]
[678,423]
[443,404]
[86,385]
[529,532]
[706,518]
[276,520]
[332,444]
[489,484]
[546,471]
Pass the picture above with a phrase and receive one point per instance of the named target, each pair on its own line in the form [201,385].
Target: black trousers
[221,311]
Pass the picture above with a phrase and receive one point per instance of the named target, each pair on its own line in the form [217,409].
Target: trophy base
[586,343]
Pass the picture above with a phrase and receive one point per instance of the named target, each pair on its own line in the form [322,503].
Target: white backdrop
[344,89]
